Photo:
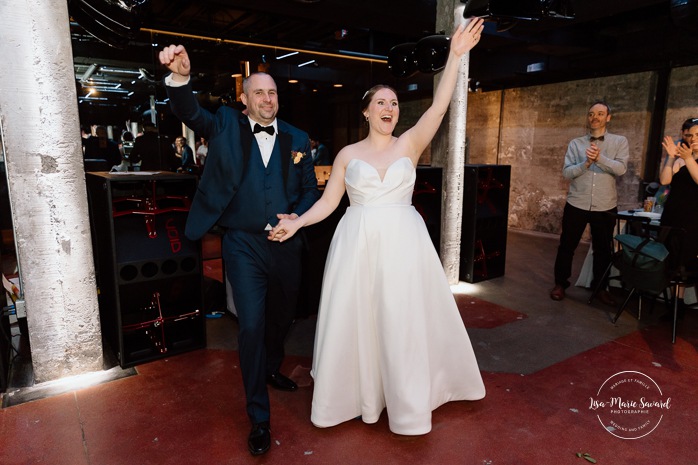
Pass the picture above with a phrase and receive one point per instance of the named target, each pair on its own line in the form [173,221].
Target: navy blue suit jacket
[230,139]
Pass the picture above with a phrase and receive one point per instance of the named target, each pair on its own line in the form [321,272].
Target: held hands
[285,229]
[464,38]
[176,59]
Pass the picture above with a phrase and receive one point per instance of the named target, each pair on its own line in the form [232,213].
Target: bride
[389,335]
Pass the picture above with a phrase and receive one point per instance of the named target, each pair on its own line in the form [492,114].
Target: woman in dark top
[680,170]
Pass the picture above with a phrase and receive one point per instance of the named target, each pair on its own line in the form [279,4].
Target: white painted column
[450,154]
[43,156]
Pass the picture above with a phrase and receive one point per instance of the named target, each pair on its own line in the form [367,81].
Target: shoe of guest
[557,293]
[259,440]
[281,382]
[606,298]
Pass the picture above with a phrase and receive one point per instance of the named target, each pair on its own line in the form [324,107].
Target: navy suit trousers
[265,277]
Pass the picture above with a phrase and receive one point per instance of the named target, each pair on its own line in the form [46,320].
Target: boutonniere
[297,156]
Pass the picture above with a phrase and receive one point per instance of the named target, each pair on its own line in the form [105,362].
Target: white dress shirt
[265,141]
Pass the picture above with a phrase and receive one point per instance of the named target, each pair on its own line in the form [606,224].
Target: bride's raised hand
[464,38]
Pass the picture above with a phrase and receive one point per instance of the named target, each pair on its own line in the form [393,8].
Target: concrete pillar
[448,148]
[43,156]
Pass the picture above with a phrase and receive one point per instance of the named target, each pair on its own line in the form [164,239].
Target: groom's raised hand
[176,59]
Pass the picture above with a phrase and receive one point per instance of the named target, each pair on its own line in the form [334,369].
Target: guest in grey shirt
[592,163]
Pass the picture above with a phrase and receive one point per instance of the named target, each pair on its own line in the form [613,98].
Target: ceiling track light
[105,69]
[306,63]
[93,84]
[290,54]
[107,89]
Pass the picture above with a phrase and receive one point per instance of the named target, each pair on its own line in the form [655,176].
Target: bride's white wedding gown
[388,333]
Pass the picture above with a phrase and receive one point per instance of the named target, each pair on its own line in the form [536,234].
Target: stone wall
[682,101]
[529,128]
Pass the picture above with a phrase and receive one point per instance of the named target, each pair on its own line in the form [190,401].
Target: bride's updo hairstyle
[368,96]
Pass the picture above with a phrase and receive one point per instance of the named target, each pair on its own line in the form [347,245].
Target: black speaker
[317,238]
[485,217]
[426,199]
[149,274]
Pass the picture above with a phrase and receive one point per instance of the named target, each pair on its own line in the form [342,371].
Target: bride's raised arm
[464,38]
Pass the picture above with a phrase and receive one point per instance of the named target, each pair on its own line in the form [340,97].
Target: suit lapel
[246,138]
[285,144]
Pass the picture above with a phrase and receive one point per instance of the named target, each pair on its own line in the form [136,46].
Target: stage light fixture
[114,22]
[401,60]
[528,10]
[431,53]
[428,56]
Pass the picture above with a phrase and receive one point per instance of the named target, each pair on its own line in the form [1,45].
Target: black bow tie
[268,129]
[592,138]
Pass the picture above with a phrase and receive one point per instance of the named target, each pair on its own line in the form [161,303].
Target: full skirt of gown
[389,334]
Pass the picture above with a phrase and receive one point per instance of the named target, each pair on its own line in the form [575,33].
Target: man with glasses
[592,163]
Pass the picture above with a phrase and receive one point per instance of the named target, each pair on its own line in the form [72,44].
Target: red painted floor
[189,409]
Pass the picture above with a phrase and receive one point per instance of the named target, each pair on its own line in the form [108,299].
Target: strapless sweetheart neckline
[376,169]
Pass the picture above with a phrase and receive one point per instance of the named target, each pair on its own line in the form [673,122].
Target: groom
[257,166]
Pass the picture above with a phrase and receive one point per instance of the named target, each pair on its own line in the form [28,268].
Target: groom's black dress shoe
[260,439]
[279,381]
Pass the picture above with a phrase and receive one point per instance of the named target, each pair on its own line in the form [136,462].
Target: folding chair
[633,225]
[642,263]
[679,276]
